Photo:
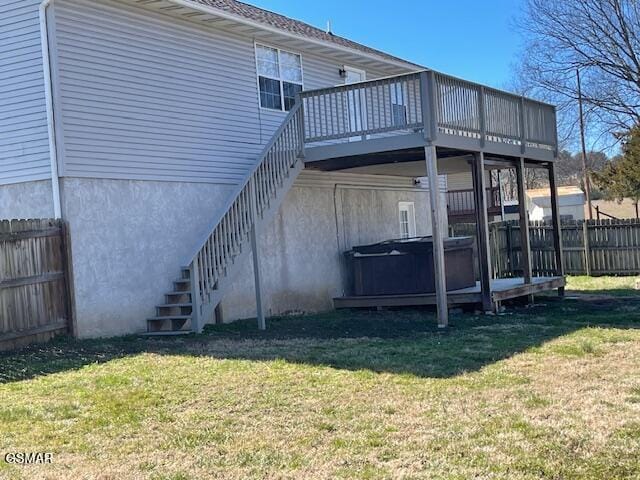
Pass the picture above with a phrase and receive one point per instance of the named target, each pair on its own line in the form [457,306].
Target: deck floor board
[501,289]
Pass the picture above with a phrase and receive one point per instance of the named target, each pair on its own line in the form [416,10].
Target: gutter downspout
[48,93]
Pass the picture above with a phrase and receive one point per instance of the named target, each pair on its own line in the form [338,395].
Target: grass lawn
[602,285]
[551,391]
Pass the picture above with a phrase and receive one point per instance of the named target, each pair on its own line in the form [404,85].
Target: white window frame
[410,208]
[279,80]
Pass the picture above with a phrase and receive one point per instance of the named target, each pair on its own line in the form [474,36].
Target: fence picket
[590,247]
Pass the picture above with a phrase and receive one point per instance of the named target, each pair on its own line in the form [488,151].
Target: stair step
[169,323]
[169,317]
[170,305]
[166,333]
[179,292]
[178,297]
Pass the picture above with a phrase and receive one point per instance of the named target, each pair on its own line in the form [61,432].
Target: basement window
[407,216]
[279,77]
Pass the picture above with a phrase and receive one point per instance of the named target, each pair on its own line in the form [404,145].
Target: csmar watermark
[27,458]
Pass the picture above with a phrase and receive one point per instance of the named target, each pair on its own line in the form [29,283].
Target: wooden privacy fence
[590,247]
[34,281]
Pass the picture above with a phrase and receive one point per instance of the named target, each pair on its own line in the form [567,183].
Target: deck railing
[462,202]
[430,102]
[363,108]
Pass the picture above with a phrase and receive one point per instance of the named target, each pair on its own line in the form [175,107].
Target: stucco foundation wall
[128,241]
[26,200]
[301,251]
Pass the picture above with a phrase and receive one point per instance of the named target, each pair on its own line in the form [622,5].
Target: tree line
[600,41]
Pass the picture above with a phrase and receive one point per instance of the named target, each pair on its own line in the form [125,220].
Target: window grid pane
[270,93]
[268,61]
[289,91]
[291,67]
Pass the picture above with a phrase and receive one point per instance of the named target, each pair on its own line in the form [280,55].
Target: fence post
[587,247]
[68,278]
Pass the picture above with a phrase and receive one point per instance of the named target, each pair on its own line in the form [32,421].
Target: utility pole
[585,170]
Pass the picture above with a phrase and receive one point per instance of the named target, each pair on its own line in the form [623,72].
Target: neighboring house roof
[567,196]
[562,191]
[296,27]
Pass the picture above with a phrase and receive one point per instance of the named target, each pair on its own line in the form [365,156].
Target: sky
[472,39]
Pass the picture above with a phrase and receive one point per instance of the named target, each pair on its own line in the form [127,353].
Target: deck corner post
[431,158]
[525,242]
[427,104]
[482,117]
[523,135]
[482,229]
[555,218]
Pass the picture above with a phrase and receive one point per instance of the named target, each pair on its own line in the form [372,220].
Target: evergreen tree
[620,178]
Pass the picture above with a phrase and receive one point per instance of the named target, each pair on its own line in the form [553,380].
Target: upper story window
[279,77]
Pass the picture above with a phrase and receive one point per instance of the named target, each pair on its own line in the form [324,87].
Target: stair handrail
[234,222]
[232,197]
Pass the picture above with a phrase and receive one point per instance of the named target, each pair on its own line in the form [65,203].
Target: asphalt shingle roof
[290,25]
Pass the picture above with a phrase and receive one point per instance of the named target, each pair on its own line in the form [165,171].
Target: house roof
[271,19]
[562,192]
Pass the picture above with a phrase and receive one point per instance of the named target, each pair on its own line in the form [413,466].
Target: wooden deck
[387,121]
[501,289]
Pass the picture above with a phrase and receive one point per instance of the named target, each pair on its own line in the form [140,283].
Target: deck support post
[525,243]
[431,158]
[555,219]
[196,301]
[262,324]
[482,230]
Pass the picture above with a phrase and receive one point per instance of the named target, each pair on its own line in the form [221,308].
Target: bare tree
[601,38]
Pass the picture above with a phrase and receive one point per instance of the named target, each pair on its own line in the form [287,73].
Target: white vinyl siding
[148,96]
[24,143]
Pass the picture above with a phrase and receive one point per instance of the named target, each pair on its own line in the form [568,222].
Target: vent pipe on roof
[329,27]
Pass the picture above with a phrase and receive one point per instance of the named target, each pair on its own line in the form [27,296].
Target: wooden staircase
[174,316]
[232,236]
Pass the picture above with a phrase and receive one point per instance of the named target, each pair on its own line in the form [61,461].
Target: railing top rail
[350,86]
[242,185]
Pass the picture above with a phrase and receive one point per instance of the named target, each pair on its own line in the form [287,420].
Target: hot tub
[405,266]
